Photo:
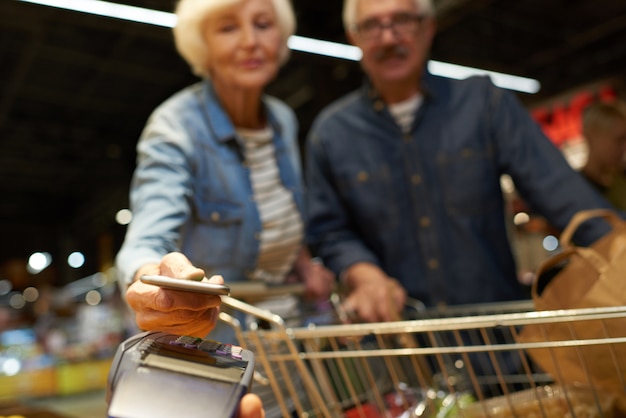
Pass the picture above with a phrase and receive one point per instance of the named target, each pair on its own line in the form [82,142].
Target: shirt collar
[429,90]
[218,119]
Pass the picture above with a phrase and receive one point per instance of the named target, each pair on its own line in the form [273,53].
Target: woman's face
[245,43]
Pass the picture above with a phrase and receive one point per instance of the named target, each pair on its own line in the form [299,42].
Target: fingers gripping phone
[186,285]
[160,375]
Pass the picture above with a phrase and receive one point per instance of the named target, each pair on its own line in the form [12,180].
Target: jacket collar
[217,118]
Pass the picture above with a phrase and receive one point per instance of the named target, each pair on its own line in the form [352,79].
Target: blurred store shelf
[90,404]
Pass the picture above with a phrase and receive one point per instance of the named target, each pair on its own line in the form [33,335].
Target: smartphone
[186,285]
[160,375]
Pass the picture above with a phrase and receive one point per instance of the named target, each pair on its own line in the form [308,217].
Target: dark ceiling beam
[573,44]
[520,24]
[109,66]
[450,12]
[55,96]
[25,62]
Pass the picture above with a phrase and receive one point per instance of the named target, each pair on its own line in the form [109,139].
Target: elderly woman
[217,189]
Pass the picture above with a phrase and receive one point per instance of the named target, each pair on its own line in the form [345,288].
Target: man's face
[395,39]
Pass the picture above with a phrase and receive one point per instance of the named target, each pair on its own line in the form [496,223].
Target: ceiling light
[114,10]
[296,43]
[330,49]
[507,81]
[38,261]
[123,216]
[76,259]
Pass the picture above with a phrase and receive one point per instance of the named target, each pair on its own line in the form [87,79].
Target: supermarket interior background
[76,89]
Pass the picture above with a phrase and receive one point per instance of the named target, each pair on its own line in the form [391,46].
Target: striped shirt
[282,226]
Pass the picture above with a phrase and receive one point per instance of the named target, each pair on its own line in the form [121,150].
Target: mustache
[391,51]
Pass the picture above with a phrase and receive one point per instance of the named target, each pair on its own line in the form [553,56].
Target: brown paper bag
[593,276]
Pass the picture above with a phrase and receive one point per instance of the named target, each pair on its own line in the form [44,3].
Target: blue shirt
[191,190]
[427,206]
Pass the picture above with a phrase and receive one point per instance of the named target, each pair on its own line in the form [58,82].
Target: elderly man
[404,174]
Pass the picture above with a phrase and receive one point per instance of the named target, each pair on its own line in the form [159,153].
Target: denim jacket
[191,190]
[427,206]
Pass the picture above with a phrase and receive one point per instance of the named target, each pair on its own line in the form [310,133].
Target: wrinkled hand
[374,296]
[319,281]
[173,311]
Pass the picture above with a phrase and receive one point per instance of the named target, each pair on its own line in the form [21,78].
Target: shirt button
[407,138]
[215,216]
[362,176]
[416,179]
[425,221]
[433,264]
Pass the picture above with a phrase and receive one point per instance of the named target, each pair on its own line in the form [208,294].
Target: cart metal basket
[463,362]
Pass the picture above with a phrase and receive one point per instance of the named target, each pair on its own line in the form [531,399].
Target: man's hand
[173,311]
[374,296]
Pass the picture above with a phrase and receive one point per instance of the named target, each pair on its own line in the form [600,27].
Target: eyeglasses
[401,24]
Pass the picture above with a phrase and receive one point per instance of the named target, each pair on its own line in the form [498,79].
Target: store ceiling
[76,89]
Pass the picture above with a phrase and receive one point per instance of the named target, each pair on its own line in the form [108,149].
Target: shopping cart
[466,361]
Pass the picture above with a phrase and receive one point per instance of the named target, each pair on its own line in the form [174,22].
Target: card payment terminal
[155,374]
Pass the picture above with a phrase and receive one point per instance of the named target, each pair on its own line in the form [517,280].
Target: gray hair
[191,17]
[349,11]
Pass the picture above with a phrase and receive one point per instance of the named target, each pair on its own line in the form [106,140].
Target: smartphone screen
[186,285]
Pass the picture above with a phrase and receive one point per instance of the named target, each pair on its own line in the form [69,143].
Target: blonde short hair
[188,32]
[425,7]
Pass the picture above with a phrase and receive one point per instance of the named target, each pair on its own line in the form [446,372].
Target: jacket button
[215,216]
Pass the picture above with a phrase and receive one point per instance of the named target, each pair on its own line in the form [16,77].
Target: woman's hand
[173,311]
[251,407]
